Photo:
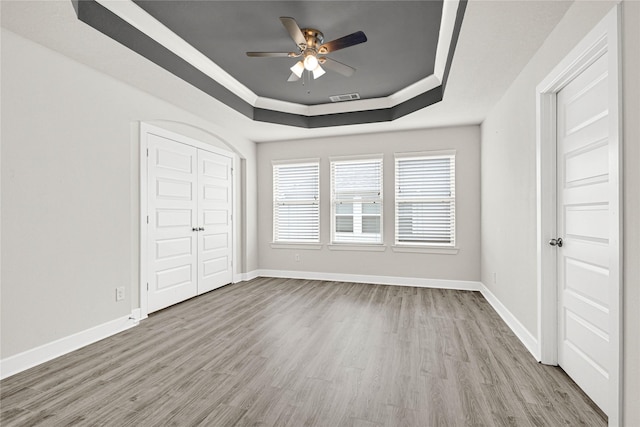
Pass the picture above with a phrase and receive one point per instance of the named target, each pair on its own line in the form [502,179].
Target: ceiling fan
[311,48]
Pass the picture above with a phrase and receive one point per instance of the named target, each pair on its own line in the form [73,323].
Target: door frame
[148,129]
[603,38]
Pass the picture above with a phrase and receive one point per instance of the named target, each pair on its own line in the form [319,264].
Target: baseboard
[244,277]
[529,341]
[30,358]
[464,285]
[136,314]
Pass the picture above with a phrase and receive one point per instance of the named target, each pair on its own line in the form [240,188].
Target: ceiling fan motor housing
[313,37]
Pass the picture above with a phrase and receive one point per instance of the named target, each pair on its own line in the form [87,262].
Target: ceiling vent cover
[345,97]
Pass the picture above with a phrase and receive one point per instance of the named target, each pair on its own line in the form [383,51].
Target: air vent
[345,97]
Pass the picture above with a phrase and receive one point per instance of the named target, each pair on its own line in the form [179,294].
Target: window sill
[425,249]
[293,245]
[352,247]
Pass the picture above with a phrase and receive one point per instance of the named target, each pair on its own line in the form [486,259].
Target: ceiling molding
[130,25]
[137,17]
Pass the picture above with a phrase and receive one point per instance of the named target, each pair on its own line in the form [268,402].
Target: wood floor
[278,352]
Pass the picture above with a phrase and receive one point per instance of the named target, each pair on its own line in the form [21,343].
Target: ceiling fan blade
[294,30]
[338,67]
[271,54]
[343,42]
[293,78]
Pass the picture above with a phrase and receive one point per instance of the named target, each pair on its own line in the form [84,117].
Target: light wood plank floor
[277,352]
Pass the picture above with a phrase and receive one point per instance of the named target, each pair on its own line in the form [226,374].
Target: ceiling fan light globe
[310,62]
[298,68]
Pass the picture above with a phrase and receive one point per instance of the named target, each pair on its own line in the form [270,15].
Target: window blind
[356,199]
[296,212]
[425,200]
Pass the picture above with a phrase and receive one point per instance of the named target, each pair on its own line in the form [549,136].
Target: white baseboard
[136,314]
[464,285]
[529,341]
[244,277]
[30,358]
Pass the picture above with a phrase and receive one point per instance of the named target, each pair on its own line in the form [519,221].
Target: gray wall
[631,213]
[463,266]
[509,183]
[70,171]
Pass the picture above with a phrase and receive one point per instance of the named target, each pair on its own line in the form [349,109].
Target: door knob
[194,229]
[201,229]
[556,242]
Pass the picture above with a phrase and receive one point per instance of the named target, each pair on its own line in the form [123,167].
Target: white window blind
[425,200]
[356,200]
[296,211]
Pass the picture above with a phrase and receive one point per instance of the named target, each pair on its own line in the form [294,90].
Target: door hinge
[147,286]
[147,219]
[147,152]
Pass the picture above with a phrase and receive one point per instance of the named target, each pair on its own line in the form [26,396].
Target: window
[425,199]
[356,201]
[296,211]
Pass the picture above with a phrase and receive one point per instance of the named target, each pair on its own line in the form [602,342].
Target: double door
[189,221]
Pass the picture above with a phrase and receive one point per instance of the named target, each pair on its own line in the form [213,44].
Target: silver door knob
[194,229]
[201,229]
[556,242]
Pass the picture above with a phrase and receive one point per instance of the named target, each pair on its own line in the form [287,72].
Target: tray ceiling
[400,69]
[401,46]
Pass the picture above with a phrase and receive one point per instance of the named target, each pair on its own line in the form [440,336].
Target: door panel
[171,248]
[174,277]
[214,215]
[584,350]
[589,221]
[166,218]
[172,206]
[586,279]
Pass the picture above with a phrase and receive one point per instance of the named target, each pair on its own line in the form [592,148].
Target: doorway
[579,217]
[186,196]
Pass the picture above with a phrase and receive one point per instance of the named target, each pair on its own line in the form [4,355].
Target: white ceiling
[496,41]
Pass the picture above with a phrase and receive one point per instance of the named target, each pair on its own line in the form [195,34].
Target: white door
[584,224]
[214,220]
[189,221]
[172,209]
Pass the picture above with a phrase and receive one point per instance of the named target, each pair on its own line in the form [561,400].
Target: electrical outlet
[297,257]
[120,293]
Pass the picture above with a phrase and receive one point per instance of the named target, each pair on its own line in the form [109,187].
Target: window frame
[378,200]
[277,240]
[425,246]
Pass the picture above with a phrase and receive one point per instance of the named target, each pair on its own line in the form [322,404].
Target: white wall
[463,266]
[509,183]
[70,192]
